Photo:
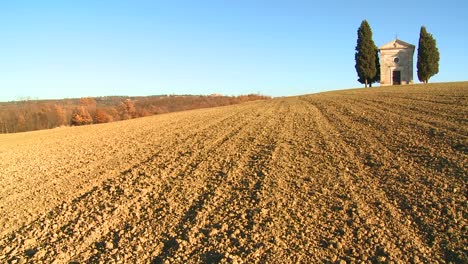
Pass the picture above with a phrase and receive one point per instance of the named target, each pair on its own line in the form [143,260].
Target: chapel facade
[396,63]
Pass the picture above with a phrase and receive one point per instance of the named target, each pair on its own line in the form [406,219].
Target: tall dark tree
[428,56]
[376,79]
[365,55]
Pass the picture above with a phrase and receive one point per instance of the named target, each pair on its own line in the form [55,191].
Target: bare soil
[374,175]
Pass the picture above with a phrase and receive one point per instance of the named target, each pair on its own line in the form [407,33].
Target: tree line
[28,115]
[367,56]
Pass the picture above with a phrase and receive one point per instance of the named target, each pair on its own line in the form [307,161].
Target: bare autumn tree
[59,114]
[20,121]
[55,115]
[41,118]
[127,109]
[3,125]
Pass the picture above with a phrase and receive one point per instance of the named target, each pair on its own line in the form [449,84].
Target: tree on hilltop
[366,55]
[428,56]
[376,79]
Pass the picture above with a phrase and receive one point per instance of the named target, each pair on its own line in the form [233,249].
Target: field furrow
[373,176]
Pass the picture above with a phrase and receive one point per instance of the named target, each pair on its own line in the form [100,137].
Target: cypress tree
[428,56]
[365,55]
[376,79]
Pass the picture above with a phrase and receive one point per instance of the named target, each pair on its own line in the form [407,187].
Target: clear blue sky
[57,49]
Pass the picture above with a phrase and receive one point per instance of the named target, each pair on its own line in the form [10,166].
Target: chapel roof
[396,44]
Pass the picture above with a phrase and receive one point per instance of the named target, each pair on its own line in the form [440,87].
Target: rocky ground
[374,175]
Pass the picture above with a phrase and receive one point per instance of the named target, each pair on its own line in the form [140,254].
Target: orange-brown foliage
[81,117]
[127,109]
[59,116]
[101,116]
[36,114]
[87,101]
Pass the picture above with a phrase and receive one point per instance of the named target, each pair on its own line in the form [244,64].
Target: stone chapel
[396,63]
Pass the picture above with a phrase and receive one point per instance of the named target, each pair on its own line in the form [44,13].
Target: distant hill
[28,115]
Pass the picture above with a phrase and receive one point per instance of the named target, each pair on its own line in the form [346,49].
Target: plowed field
[375,175]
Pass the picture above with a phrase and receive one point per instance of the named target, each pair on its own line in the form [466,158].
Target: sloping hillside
[369,175]
[30,115]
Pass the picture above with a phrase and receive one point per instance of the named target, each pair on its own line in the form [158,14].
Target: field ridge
[373,175]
